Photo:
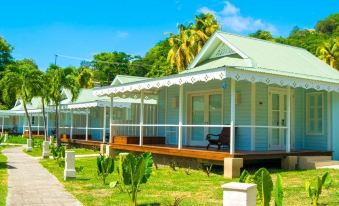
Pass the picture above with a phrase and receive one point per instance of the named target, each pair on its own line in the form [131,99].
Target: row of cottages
[260,99]
[87,118]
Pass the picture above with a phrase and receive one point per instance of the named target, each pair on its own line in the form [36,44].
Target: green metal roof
[265,56]
[124,79]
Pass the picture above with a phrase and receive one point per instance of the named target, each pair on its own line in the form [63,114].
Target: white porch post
[111,121]
[329,121]
[2,126]
[288,121]
[181,104]
[71,132]
[87,111]
[104,127]
[141,130]
[253,115]
[232,139]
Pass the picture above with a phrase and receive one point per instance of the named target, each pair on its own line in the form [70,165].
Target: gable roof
[262,56]
[124,79]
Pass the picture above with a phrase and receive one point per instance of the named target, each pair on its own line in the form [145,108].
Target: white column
[141,130]
[87,111]
[104,127]
[71,132]
[253,115]
[111,121]
[3,122]
[288,120]
[232,139]
[181,105]
[329,122]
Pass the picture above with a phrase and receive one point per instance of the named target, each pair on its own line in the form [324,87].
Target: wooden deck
[201,153]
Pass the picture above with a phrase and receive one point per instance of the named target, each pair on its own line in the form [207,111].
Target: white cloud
[121,34]
[231,19]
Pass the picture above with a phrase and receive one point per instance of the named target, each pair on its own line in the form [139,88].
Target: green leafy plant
[58,154]
[105,166]
[263,180]
[314,187]
[133,170]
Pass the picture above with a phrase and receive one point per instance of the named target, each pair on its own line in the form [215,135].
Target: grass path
[195,189]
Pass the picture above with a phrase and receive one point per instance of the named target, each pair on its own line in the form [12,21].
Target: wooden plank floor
[202,153]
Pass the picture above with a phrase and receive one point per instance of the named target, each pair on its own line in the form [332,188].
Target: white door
[277,118]
[205,109]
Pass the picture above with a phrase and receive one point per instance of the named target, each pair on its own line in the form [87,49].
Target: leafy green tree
[260,34]
[85,77]
[329,52]
[5,59]
[60,79]
[21,79]
[107,65]
[329,25]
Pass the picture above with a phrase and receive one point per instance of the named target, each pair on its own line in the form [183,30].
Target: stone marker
[51,138]
[45,149]
[102,149]
[109,151]
[240,194]
[69,171]
[29,145]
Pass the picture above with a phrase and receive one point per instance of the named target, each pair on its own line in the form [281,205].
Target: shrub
[263,180]
[315,186]
[58,154]
[105,166]
[133,170]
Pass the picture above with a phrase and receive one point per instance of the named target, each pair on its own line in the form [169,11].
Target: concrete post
[51,138]
[102,149]
[69,171]
[232,167]
[109,151]
[29,145]
[6,137]
[240,194]
[45,150]
[289,162]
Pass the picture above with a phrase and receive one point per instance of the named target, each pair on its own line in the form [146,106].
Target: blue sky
[40,29]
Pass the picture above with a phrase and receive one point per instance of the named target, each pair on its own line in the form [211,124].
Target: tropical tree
[85,77]
[329,52]
[44,94]
[5,59]
[22,79]
[60,79]
[191,38]
[261,34]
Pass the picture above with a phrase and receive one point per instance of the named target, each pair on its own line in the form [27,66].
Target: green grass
[195,189]
[16,139]
[3,177]
[37,151]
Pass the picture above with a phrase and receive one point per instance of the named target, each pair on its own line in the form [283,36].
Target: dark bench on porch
[219,139]
[152,140]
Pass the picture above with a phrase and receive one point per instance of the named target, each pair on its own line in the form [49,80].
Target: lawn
[16,139]
[37,151]
[3,177]
[195,189]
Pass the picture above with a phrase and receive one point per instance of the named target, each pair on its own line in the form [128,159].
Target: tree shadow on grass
[149,204]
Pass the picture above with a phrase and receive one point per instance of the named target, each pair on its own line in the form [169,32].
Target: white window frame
[308,95]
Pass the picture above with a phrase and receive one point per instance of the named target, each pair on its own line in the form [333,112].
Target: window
[314,113]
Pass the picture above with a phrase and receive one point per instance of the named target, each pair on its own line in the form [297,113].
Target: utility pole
[55,59]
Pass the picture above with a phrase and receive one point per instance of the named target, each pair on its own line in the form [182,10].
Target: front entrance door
[205,109]
[277,118]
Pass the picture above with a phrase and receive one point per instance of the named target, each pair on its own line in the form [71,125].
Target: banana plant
[314,187]
[105,166]
[133,170]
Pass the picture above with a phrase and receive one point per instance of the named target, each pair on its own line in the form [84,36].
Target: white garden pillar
[2,126]
[71,132]
[181,105]
[69,171]
[6,137]
[45,149]
[87,111]
[111,120]
[232,138]
[104,126]
[141,129]
[239,194]
[51,139]
[288,120]
[29,145]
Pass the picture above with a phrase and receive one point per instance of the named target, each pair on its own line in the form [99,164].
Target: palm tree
[60,79]
[21,79]
[191,38]
[44,93]
[329,52]
[85,77]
